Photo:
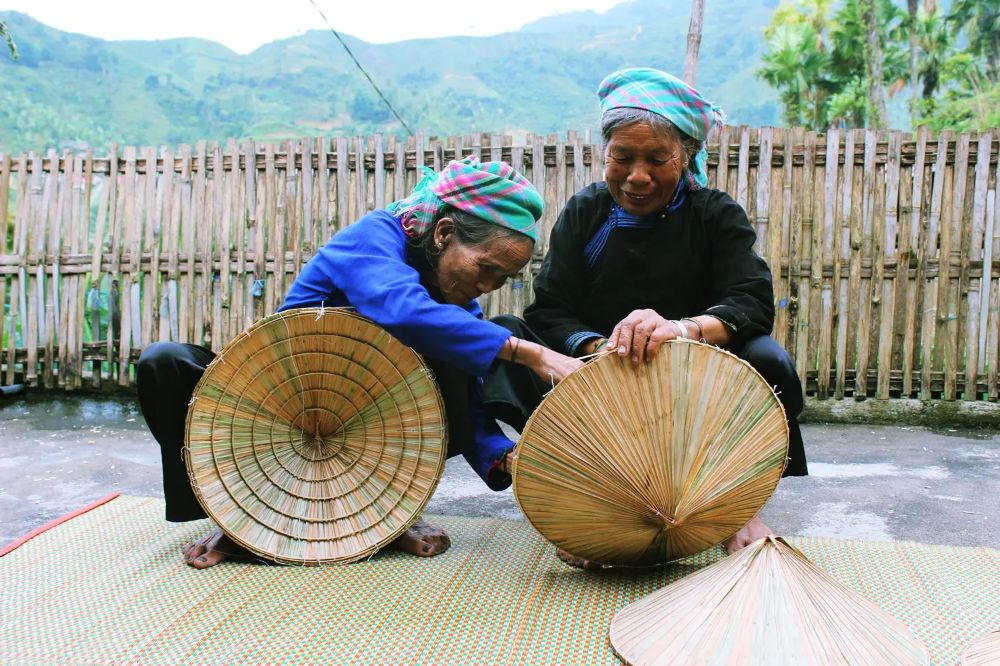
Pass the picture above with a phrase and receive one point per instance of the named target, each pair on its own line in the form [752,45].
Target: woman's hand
[551,366]
[640,335]
[554,367]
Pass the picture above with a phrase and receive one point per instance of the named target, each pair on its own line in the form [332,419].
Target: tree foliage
[9,38]
[815,59]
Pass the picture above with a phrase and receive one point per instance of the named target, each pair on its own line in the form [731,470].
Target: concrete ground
[867,482]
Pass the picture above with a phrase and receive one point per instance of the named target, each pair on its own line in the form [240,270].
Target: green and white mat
[108,586]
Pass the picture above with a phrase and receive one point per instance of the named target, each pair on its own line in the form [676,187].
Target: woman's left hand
[553,367]
[640,335]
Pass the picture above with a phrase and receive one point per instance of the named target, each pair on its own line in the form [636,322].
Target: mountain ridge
[70,90]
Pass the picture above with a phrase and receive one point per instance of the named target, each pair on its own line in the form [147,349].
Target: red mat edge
[58,521]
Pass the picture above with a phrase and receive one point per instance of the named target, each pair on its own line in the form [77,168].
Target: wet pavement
[885,482]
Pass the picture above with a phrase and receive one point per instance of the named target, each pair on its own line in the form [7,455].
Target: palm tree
[794,64]
[877,115]
[981,21]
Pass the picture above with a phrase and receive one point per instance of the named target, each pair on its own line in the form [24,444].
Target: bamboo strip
[886,255]
[56,287]
[185,320]
[71,325]
[810,282]
[919,221]
[6,360]
[240,316]
[152,221]
[167,246]
[992,241]
[274,247]
[18,296]
[930,303]
[130,240]
[310,241]
[35,307]
[46,285]
[722,171]
[829,256]
[202,250]
[783,321]
[115,215]
[223,226]
[743,168]
[869,300]
[950,258]
[975,349]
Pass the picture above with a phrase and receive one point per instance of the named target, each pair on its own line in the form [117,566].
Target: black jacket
[697,259]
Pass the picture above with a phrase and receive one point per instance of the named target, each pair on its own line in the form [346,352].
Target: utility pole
[694,41]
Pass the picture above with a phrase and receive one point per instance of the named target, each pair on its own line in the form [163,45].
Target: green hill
[69,90]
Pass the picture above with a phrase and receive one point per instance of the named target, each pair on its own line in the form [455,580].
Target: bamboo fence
[883,245]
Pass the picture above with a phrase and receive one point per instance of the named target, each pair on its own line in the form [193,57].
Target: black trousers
[166,376]
[512,392]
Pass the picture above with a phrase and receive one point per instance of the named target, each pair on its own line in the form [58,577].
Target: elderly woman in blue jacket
[415,268]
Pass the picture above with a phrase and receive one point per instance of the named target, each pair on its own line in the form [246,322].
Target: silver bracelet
[683,328]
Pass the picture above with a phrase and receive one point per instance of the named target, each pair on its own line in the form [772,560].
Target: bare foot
[578,562]
[423,540]
[212,549]
[753,530]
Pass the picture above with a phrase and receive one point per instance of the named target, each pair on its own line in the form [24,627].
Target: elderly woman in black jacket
[651,254]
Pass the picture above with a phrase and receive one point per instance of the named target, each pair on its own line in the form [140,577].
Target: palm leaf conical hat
[642,465]
[766,604]
[984,651]
[315,436]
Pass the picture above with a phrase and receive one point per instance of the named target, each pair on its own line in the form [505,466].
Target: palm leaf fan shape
[983,652]
[641,465]
[766,604]
[315,436]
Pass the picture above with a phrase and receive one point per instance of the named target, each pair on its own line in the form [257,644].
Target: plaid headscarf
[667,96]
[491,191]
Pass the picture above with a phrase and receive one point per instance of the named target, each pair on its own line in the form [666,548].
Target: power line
[347,48]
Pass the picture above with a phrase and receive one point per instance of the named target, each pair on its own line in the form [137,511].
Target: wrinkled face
[465,272]
[642,168]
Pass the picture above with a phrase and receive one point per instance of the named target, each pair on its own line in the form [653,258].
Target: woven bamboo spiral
[315,437]
[641,465]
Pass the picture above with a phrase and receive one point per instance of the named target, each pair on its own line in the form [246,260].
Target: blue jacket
[365,266]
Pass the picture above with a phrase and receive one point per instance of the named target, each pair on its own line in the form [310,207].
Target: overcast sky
[243,25]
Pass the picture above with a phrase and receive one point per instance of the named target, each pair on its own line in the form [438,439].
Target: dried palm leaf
[315,436]
[766,604]
[642,465]
[983,652]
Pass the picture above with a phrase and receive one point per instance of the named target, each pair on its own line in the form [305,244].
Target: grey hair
[469,230]
[620,117]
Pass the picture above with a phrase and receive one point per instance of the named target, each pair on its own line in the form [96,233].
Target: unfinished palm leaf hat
[984,651]
[766,604]
[629,465]
[315,436]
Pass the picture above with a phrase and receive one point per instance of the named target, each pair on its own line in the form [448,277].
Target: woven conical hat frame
[983,652]
[766,604]
[641,465]
[314,437]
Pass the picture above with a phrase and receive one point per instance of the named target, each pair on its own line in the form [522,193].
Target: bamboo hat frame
[315,437]
[628,465]
[984,651]
[765,604]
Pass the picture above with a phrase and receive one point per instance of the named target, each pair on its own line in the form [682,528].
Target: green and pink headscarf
[492,191]
[669,97]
